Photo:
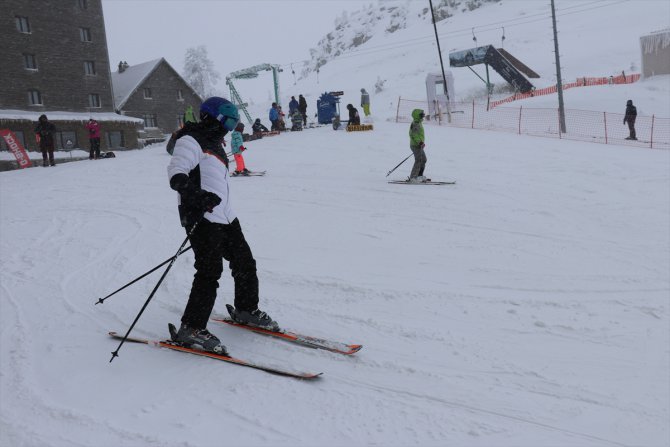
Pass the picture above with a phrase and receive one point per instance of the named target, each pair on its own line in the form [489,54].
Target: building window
[150,120]
[89,68]
[66,139]
[115,139]
[34,98]
[83,4]
[94,100]
[30,62]
[22,24]
[85,34]
[180,95]
[147,93]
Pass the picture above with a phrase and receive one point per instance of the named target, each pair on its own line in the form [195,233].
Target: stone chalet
[154,92]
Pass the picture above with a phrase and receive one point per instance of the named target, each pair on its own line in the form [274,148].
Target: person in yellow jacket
[365,102]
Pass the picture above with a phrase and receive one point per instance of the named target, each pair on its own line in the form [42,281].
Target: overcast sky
[237,33]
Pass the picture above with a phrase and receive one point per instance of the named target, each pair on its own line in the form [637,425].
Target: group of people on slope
[46,131]
[297,112]
[354,116]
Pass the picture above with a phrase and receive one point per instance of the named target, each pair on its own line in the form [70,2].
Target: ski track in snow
[518,307]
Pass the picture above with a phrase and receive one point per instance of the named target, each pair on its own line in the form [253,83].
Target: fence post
[397,110]
[605,121]
[521,107]
[651,139]
[473,114]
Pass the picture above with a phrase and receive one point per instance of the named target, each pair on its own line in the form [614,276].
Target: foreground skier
[198,171]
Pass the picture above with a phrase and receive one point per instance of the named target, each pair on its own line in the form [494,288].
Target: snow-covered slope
[527,305]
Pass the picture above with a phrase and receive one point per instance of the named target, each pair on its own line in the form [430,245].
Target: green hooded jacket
[416,136]
[189,115]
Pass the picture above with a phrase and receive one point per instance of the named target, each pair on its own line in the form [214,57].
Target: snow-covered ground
[526,305]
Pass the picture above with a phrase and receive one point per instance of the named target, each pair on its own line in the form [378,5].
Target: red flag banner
[14,145]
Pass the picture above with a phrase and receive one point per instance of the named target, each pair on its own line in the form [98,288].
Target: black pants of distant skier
[48,150]
[212,243]
[275,125]
[631,128]
[95,148]
[419,161]
[304,117]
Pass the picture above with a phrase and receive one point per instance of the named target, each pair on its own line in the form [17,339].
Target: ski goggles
[228,122]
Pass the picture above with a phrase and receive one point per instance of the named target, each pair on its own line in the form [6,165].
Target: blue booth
[328,105]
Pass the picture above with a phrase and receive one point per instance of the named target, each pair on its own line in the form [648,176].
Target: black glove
[205,200]
[192,195]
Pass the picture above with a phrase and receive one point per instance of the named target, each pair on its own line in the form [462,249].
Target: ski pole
[101,300]
[399,164]
[174,258]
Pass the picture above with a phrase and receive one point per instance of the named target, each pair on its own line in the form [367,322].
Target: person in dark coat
[258,128]
[292,106]
[354,117]
[46,131]
[630,117]
[302,106]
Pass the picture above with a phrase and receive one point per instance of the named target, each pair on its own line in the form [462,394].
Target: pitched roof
[130,79]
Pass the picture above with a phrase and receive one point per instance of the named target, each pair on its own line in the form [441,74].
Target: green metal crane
[249,73]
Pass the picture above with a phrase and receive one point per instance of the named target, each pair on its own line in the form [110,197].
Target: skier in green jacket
[416,144]
[189,115]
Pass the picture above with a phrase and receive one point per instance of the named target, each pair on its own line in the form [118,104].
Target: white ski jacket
[187,156]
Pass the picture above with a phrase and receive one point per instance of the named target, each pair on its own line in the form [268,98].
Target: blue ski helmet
[222,110]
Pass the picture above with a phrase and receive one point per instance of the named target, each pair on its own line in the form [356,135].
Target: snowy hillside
[596,38]
[526,305]
[353,30]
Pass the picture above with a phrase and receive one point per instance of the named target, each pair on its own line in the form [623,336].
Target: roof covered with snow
[126,82]
[26,115]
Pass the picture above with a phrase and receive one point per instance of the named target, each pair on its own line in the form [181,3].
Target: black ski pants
[47,148]
[631,128]
[95,148]
[212,243]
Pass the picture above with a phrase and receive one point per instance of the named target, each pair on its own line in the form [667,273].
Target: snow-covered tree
[199,71]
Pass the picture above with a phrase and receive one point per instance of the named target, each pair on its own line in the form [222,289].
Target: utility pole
[559,83]
[439,51]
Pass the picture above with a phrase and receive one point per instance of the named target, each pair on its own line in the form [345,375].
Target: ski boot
[200,339]
[256,318]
